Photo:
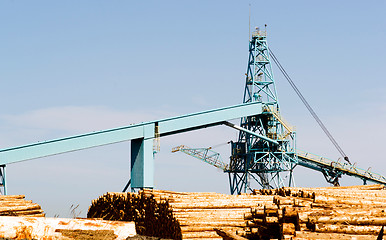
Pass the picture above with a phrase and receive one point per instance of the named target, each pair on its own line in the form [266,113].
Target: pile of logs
[177,215]
[152,214]
[356,212]
[200,213]
[285,213]
[16,205]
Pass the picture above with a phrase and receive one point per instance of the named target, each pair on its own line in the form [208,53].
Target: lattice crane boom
[205,154]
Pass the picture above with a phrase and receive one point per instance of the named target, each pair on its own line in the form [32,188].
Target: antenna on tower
[249,33]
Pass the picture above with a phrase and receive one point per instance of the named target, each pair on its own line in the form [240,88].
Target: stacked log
[151,214]
[271,223]
[16,205]
[199,214]
[178,215]
[356,212]
[285,213]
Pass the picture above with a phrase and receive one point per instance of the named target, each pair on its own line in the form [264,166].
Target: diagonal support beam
[250,132]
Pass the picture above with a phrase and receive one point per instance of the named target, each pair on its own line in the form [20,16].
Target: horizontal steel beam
[166,126]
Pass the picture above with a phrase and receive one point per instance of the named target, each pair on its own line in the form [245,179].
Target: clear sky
[70,67]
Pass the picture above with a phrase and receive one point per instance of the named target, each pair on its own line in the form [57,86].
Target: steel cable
[314,115]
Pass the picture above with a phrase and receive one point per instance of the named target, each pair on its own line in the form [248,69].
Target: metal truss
[254,159]
[333,170]
[205,154]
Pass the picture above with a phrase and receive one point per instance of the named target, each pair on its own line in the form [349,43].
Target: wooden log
[214,204]
[19,208]
[258,213]
[347,229]
[271,220]
[29,212]
[228,235]
[50,228]
[8,197]
[200,238]
[206,210]
[332,200]
[204,222]
[206,228]
[248,216]
[203,234]
[288,229]
[330,236]
[352,220]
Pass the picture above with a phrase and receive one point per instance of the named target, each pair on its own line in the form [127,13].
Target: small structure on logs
[356,212]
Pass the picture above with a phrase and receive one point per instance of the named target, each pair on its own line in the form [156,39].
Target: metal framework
[264,152]
[205,154]
[333,170]
[144,139]
[255,159]
[2,180]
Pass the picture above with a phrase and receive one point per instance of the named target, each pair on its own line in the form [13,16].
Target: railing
[276,114]
[259,33]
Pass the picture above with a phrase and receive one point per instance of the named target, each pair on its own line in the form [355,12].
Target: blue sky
[69,67]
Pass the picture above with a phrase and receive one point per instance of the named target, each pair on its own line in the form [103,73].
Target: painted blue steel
[333,170]
[261,159]
[3,183]
[251,133]
[206,155]
[142,136]
[167,126]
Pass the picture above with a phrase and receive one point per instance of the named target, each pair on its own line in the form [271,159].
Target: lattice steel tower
[268,160]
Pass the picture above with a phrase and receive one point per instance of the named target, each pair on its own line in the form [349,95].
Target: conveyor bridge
[332,170]
[142,137]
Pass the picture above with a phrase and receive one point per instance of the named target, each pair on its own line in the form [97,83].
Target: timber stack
[178,215]
[356,212]
[287,213]
[16,205]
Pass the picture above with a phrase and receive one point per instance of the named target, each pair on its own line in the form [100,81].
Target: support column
[142,159]
[2,180]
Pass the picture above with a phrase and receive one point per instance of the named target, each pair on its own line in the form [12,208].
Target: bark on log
[348,229]
[352,220]
[331,236]
[228,235]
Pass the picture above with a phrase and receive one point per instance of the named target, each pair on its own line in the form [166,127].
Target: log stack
[356,212]
[199,214]
[16,205]
[178,215]
[152,214]
[286,213]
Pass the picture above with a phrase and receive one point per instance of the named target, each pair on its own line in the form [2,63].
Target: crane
[265,151]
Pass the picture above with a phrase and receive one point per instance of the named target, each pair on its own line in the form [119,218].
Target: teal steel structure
[205,154]
[142,137]
[265,153]
[255,159]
